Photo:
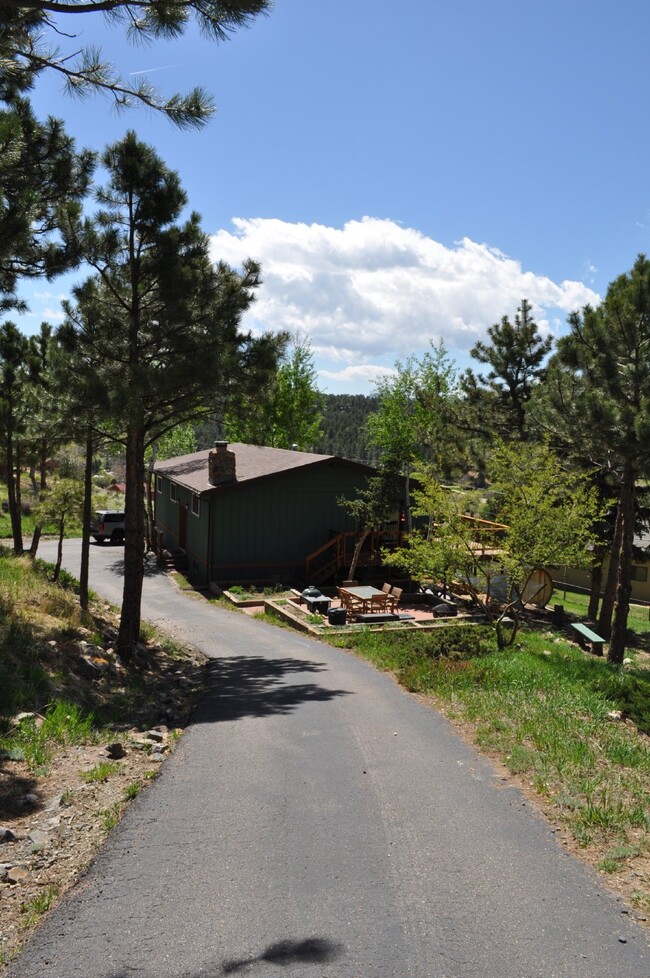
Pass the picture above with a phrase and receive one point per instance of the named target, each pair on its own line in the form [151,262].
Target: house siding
[168,522]
[262,529]
[278,523]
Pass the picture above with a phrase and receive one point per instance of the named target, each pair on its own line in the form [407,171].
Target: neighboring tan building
[640,572]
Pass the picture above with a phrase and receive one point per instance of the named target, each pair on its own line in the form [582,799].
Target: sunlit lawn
[638,618]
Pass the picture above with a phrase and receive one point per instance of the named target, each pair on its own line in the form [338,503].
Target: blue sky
[404,172]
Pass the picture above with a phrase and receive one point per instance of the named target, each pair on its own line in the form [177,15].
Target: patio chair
[351,604]
[393,598]
[379,603]
[386,588]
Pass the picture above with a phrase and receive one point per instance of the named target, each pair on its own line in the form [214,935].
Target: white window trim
[196,505]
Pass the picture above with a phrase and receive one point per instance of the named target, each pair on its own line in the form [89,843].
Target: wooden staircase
[175,560]
[336,554]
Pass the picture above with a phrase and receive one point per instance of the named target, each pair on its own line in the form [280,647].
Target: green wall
[260,526]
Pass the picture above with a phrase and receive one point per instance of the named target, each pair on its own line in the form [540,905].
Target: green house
[243,513]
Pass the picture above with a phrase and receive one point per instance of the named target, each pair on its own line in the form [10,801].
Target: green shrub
[456,642]
[630,693]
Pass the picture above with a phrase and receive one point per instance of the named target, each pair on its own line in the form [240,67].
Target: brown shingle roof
[252,462]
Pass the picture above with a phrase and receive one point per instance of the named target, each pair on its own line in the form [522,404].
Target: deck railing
[337,553]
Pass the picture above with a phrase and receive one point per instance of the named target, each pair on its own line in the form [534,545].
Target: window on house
[639,573]
[158,483]
[195,506]
[173,495]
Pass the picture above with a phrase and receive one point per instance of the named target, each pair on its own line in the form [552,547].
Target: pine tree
[515,356]
[30,39]
[157,327]
[19,371]
[610,348]
[42,183]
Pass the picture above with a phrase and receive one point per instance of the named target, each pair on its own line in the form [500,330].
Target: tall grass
[34,737]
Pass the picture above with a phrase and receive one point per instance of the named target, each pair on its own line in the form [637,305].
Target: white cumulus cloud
[373,291]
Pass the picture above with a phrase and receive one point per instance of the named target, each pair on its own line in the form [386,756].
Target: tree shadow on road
[151,567]
[252,686]
[313,950]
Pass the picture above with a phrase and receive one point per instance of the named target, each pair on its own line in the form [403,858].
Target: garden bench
[587,635]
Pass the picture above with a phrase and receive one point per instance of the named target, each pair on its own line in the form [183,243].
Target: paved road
[317,822]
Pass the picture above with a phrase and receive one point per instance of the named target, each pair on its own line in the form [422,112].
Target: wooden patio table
[365,593]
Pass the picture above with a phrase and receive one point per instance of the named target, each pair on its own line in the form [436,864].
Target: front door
[182,526]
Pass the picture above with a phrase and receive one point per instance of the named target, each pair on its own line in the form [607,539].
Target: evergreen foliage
[155,331]
[42,183]
[30,38]
[19,374]
[515,357]
[344,431]
[609,348]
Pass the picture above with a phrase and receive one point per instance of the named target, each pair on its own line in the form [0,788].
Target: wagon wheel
[538,588]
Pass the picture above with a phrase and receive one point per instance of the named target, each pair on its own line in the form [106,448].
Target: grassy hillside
[81,734]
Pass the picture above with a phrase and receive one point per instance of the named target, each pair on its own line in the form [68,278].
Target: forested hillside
[344,427]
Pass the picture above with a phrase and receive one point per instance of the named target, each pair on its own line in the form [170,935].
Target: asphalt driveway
[317,821]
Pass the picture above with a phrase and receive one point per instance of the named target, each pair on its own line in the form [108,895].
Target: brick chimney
[221,464]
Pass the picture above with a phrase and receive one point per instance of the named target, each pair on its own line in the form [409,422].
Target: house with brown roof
[250,513]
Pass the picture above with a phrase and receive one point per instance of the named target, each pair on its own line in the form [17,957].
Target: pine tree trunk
[43,465]
[609,596]
[149,523]
[129,634]
[596,581]
[19,487]
[36,539]
[624,567]
[14,508]
[85,530]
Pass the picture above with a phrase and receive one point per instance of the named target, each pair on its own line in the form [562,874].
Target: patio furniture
[378,602]
[318,606]
[392,599]
[350,602]
[359,597]
[586,635]
[317,603]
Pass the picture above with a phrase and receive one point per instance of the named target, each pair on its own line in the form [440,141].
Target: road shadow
[312,950]
[151,568]
[282,954]
[253,686]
